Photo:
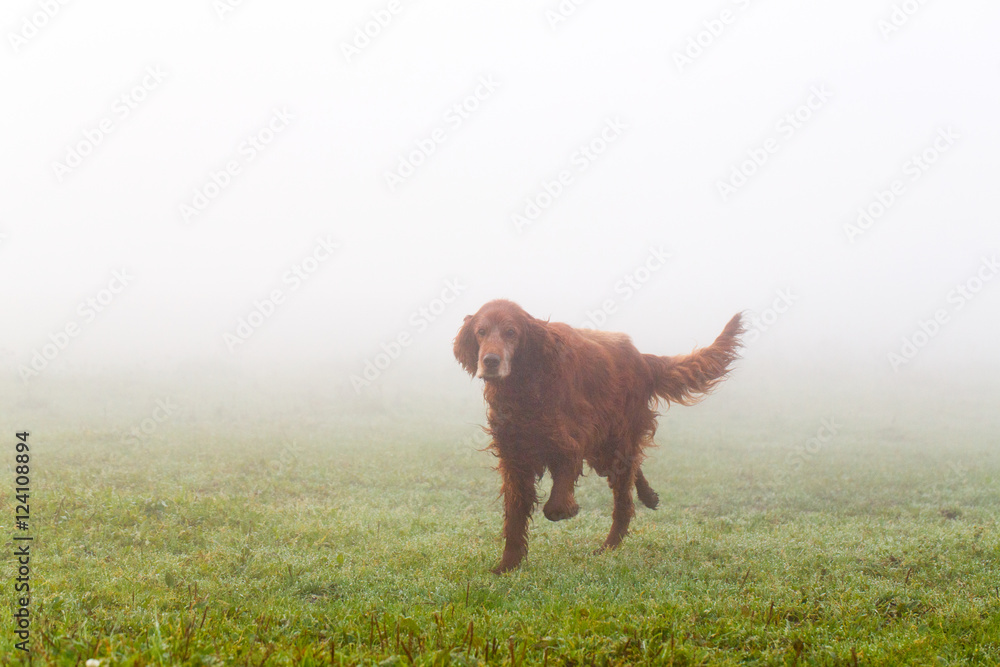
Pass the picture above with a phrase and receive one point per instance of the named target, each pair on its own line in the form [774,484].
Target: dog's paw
[610,544]
[650,500]
[560,513]
[504,567]
[510,560]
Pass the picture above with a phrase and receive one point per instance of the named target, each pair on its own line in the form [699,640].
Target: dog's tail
[686,378]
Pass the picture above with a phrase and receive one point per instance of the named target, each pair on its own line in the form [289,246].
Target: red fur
[559,397]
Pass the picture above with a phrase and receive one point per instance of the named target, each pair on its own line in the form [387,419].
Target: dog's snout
[491,361]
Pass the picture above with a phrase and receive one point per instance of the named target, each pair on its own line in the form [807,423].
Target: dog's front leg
[562,504]
[519,498]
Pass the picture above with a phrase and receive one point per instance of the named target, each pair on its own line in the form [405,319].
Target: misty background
[638,167]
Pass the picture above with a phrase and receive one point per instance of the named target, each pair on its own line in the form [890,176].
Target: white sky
[655,186]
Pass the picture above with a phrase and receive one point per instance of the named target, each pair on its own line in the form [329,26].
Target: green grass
[363,531]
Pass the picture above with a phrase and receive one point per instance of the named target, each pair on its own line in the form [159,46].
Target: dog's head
[489,341]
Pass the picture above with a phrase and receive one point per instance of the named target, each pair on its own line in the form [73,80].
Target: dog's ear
[467,347]
[539,346]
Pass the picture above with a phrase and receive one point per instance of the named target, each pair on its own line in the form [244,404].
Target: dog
[559,396]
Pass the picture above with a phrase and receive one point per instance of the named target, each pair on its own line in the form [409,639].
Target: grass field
[309,529]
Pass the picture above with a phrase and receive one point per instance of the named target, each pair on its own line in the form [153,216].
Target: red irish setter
[559,396]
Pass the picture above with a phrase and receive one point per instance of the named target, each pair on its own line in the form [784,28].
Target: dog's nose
[491,361]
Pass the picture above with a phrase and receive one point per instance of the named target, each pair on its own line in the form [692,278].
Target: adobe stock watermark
[478,440]
[958,475]
[287,459]
[627,287]
[121,109]
[957,299]
[31,25]
[550,190]
[913,170]
[561,11]
[419,321]
[804,453]
[223,8]
[88,311]
[454,117]
[712,29]
[759,322]
[160,414]
[365,33]
[899,16]
[786,128]
[291,280]
[247,151]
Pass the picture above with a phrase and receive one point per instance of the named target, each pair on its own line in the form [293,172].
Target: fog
[278,188]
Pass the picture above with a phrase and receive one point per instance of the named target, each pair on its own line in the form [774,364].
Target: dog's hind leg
[647,496]
[621,479]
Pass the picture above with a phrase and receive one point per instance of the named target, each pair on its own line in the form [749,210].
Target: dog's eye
[481,332]
[509,333]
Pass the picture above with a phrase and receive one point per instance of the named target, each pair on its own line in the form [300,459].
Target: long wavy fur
[574,397]
[686,379]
